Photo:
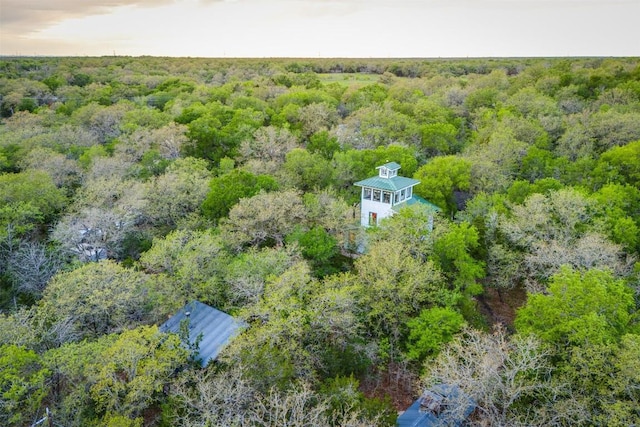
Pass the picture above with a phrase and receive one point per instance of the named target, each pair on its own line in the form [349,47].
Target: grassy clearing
[349,79]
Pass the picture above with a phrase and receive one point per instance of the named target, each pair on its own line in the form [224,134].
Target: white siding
[382,209]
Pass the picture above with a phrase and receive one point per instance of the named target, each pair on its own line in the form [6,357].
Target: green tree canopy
[97,298]
[194,263]
[307,170]
[226,190]
[35,188]
[440,178]
[177,194]
[22,385]
[431,330]
[620,165]
[580,308]
[132,371]
[395,287]
[265,218]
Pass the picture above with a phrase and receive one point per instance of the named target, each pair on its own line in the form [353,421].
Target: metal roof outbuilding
[214,326]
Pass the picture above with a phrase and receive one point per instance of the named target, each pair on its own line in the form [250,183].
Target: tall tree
[98,298]
[175,196]
[551,230]
[194,263]
[22,385]
[442,180]
[307,171]
[502,376]
[226,190]
[36,188]
[580,308]
[32,265]
[265,218]
[396,287]
[134,369]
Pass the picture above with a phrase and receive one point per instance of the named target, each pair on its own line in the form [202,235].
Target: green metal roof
[390,184]
[413,201]
[392,166]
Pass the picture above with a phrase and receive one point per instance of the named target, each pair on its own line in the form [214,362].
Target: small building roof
[413,417]
[443,404]
[414,200]
[390,184]
[392,166]
[215,328]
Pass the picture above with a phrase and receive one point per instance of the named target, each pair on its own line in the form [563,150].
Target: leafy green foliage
[323,144]
[22,384]
[431,330]
[520,190]
[344,396]
[137,365]
[248,272]
[36,189]
[230,181]
[217,130]
[589,308]
[300,327]
[74,366]
[193,262]
[396,287]
[177,195]
[16,219]
[226,190]
[620,164]
[618,208]
[308,170]
[316,244]
[602,379]
[453,249]
[97,298]
[441,178]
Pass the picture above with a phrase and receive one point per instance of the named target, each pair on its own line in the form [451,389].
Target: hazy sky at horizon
[320,28]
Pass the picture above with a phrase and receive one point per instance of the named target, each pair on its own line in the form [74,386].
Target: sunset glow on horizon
[320,28]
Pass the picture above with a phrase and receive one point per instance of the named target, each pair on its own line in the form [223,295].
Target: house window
[396,197]
[376,195]
[366,193]
[384,172]
[403,195]
[386,197]
[393,173]
[409,192]
[373,219]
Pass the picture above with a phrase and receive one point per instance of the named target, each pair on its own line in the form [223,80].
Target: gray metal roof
[451,407]
[414,417]
[217,328]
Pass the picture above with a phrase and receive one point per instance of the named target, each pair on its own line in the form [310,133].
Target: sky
[320,28]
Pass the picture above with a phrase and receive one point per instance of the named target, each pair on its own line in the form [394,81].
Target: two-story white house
[385,194]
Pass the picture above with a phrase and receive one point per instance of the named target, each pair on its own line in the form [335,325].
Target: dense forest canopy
[131,186]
